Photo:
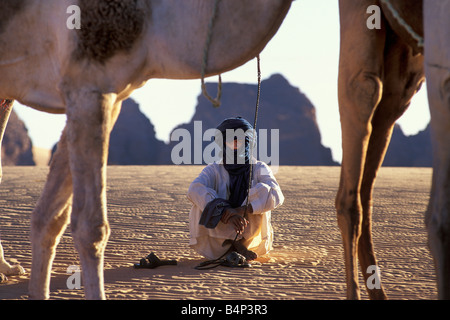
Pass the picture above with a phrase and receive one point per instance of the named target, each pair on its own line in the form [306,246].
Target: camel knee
[349,212]
[91,239]
[46,229]
[366,87]
[363,91]
[350,223]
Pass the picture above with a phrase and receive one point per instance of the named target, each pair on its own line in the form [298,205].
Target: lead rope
[258,94]
[215,101]
[217,262]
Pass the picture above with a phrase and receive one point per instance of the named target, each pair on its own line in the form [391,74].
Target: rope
[258,94]
[403,23]
[215,101]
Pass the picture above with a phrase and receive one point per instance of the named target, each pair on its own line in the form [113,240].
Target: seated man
[219,198]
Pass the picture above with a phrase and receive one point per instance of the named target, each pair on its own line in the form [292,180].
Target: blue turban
[236,162]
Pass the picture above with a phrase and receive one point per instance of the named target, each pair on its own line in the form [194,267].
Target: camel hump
[9,9]
[108,27]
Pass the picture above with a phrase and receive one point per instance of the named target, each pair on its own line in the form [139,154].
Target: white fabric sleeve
[266,194]
[201,190]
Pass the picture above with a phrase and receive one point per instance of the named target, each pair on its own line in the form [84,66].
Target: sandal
[152,261]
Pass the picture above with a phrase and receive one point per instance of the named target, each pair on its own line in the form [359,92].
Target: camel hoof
[16,270]
[13,270]
[3,278]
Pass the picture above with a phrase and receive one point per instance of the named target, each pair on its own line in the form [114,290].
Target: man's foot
[240,248]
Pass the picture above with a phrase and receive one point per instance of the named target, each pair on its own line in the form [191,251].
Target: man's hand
[235,217]
[239,223]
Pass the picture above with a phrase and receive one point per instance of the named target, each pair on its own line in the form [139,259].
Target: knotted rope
[214,101]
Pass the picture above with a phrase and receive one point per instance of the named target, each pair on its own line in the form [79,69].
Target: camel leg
[6,107]
[403,76]
[438,212]
[90,118]
[5,110]
[437,67]
[49,220]
[359,92]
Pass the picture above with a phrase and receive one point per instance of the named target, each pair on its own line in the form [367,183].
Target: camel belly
[38,90]
[33,49]
[44,101]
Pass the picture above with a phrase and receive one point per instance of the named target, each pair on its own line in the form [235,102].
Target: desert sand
[148,212]
[41,156]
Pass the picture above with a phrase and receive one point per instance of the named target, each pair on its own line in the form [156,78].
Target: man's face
[235,144]
[237,148]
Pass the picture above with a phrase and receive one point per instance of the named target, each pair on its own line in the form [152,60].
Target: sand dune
[148,211]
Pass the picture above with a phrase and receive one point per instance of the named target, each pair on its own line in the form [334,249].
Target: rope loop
[215,101]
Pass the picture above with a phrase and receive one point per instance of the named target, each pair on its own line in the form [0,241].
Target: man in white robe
[255,233]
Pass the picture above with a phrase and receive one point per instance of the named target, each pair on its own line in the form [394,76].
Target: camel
[87,72]
[437,71]
[5,268]
[379,72]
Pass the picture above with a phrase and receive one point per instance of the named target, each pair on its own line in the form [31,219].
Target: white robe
[213,182]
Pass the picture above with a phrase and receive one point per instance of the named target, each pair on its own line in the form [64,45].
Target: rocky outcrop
[133,139]
[16,145]
[282,107]
[409,151]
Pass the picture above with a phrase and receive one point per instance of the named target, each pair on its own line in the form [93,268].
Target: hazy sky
[305,51]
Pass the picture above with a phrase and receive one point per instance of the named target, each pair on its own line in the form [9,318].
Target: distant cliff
[133,139]
[282,107]
[16,144]
[409,151]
